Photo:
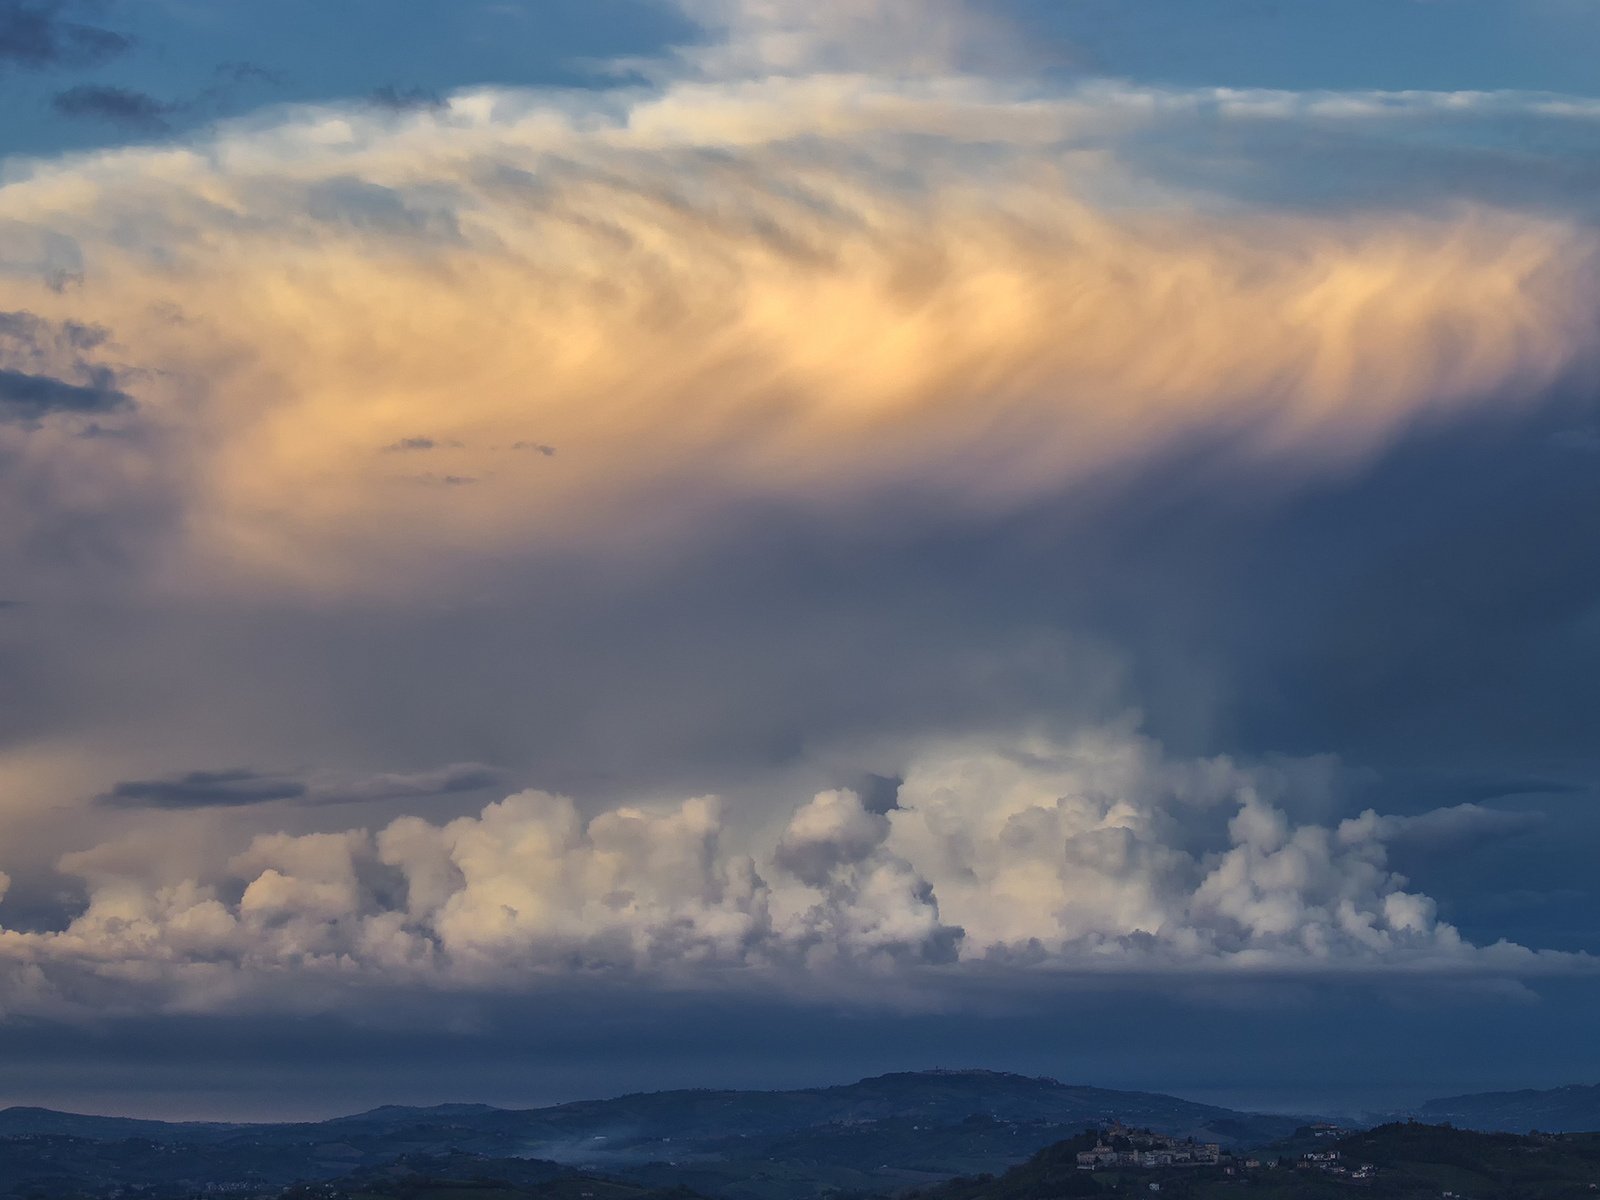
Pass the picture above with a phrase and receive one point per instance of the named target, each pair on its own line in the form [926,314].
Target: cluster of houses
[1119,1146]
[1331,1162]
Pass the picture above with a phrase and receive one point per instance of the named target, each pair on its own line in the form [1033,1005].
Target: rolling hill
[1569,1109]
[881,1134]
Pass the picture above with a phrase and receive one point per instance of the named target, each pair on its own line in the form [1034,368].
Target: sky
[563,547]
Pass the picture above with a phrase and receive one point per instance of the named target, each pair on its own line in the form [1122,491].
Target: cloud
[413,444]
[26,397]
[117,105]
[826,313]
[726,309]
[203,789]
[48,367]
[810,36]
[47,33]
[239,787]
[834,830]
[1092,855]
[141,112]
[446,781]
[1447,829]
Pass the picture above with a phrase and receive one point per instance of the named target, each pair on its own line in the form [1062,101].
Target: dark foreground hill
[878,1135]
[1402,1161]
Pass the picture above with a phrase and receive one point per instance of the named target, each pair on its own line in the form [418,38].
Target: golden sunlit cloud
[379,347]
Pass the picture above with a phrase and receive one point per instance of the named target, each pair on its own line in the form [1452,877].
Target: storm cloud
[1146,508]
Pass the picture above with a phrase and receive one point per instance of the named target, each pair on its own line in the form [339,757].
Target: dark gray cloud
[56,33]
[115,105]
[27,397]
[239,787]
[417,444]
[204,789]
[47,367]
[535,447]
[142,112]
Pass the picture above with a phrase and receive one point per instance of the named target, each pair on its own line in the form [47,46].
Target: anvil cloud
[816,292]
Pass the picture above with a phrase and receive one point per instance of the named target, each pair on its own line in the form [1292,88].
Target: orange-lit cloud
[605,325]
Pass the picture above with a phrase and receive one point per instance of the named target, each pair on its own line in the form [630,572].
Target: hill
[22,1122]
[877,1135]
[1400,1161]
[1567,1109]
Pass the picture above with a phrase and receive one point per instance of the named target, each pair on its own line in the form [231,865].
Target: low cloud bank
[1098,855]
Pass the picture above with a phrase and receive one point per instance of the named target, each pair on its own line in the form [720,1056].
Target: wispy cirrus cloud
[754,318]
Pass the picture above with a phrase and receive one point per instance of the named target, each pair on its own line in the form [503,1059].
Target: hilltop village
[1120,1146]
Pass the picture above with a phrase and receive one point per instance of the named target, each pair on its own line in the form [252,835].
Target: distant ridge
[876,1136]
[26,1120]
[1573,1108]
[951,1093]
[386,1112]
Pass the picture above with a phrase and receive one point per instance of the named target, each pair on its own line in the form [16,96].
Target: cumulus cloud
[1096,854]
